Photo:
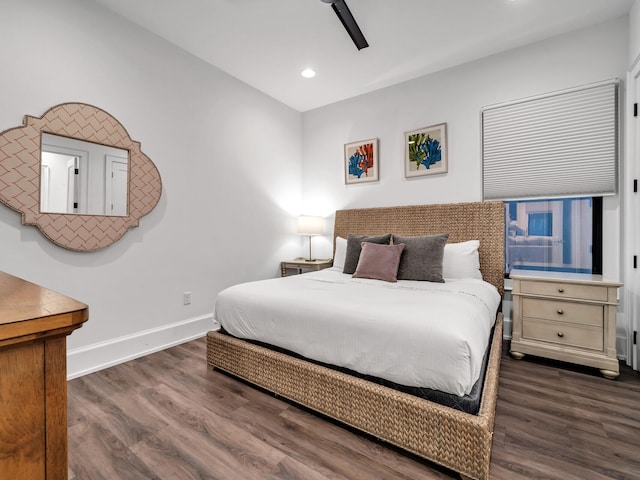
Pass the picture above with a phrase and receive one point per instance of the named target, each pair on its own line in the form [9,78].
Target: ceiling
[267,43]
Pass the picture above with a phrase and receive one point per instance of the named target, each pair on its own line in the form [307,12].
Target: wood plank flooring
[168,416]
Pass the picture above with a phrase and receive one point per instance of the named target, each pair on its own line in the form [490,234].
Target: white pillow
[461,260]
[340,253]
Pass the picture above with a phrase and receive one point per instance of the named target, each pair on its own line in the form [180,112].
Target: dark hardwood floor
[168,416]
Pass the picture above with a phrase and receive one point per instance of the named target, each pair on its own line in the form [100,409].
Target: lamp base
[309,258]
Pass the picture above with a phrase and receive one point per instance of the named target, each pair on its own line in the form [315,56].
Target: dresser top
[585,278]
[21,301]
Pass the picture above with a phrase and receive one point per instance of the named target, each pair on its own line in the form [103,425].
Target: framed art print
[361,161]
[426,151]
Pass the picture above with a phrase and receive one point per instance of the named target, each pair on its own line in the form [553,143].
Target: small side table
[300,265]
[566,316]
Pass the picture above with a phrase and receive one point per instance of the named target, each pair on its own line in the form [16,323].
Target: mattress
[416,334]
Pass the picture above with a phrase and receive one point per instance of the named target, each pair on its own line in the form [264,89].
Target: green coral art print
[426,151]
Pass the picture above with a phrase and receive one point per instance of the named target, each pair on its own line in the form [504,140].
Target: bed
[442,434]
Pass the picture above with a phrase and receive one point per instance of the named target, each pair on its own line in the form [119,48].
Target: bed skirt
[449,437]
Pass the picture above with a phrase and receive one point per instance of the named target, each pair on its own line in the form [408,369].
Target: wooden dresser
[34,323]
[567,317]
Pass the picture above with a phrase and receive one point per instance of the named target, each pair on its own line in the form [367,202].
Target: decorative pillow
[354,246]
[422,257]
[340,253]
[379,262]
[461,260]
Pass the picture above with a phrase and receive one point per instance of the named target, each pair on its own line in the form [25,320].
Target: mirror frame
[20,176]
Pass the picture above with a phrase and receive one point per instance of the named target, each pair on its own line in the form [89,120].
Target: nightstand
[566,316]
[300,265]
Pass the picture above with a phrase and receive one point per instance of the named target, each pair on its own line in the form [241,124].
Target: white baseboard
[91,358]
[621,347]
[507,328]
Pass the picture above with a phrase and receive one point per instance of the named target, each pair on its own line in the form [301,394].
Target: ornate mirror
[76,174]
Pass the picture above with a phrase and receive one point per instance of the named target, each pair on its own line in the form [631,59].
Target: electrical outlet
[186,298]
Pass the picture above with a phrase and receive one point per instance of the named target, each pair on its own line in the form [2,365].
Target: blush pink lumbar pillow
[379,262]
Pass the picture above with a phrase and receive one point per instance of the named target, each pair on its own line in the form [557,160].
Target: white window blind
[563,144]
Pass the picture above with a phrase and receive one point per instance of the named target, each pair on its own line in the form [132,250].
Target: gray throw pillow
[422,257]
[354,247]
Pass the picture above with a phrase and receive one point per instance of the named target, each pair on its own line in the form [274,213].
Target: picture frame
[361,161]
[425,151]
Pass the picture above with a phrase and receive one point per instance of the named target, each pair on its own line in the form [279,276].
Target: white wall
[228,155]
[454,96]
[634,32]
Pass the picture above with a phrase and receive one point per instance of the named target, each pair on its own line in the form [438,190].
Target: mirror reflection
[85,178]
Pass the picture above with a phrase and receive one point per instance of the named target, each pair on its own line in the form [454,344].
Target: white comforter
[418,334]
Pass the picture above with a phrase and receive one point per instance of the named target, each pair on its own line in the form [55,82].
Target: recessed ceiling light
[308,73]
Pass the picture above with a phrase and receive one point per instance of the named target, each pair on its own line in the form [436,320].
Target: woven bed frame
[449,437]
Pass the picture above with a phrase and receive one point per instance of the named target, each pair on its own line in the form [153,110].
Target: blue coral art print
[426,151]
[358,164]
[361,161]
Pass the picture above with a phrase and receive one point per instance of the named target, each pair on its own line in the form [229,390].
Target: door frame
[631,212]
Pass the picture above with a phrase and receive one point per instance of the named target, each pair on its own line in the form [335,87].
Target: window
[563,235]
[561,147]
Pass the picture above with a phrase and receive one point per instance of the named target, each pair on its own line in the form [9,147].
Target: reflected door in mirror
[79,177]
[57,183]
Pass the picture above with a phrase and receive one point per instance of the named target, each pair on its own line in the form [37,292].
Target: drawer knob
[560,311]
[561,290]
[560,334]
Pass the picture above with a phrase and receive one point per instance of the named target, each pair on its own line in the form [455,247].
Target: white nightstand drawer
[578,313]
[564,290]
[591,338]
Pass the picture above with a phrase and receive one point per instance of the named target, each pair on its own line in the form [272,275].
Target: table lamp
[310,226]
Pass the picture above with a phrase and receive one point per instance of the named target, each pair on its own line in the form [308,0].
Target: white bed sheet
[418,334]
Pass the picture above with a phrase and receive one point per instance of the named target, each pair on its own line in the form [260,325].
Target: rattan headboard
[482,221]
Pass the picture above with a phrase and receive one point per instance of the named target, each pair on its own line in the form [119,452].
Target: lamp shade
[308,225]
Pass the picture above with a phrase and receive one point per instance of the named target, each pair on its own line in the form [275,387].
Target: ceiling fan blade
[349,23]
